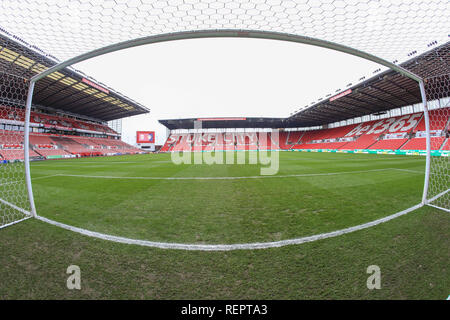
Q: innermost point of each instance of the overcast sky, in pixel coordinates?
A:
(222, 78)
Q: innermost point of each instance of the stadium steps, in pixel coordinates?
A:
(420, 144)
(299, 139)
(363, 142)
(51, 152)
(417, 124)
(371, 145)
(444, 144)
(388, 144)
(343, 146)
(70, 145)
(407, 140)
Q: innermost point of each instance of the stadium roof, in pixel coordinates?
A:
(384, 91)
(69, 90)
(210, 123)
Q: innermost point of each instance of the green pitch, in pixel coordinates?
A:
(148, 197)
(312, 193)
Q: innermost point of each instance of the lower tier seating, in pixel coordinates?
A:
(396, 133)
(48, 146)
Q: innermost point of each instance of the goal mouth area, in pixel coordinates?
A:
(343, 33)
(207, 229)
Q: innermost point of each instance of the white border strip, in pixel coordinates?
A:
(228, 247)
(15, 207)
(437, 207)
(14, 222)
(435, 198)
(438, 195)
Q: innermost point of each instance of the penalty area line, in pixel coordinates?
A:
(45, 177)
(408, 170)
(226, 178)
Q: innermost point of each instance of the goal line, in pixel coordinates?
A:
(228, 247)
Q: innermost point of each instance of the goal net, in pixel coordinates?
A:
(394, 31)
(437, 89)
(439, 179)
(14, 204)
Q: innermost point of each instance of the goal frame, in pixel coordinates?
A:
(224, 33)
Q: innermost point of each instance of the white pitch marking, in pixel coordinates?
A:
(356, 160)
(71, 164)
(229, 247)
(407, 170)
(213, 178)
(233, 178)
(224, 178)
(22, 181)
(44, 177)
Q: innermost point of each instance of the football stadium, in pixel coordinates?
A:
(346, 198)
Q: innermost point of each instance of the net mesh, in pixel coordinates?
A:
(13, 193)
(439, 181)
(387, 29)
(436, 77)
(393, 30)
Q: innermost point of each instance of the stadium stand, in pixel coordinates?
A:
(285, 140)
(294, 137)
(63, 136)
(389, 144)
(51, 121)
(395, 133)
(420, 144)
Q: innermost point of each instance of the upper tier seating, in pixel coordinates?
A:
(439, 120)
(385, 134)
(47, 120)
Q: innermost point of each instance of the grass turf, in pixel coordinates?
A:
(225, 211)
(412, 251)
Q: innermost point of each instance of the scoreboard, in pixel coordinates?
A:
(145, 137)
(146, 140)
